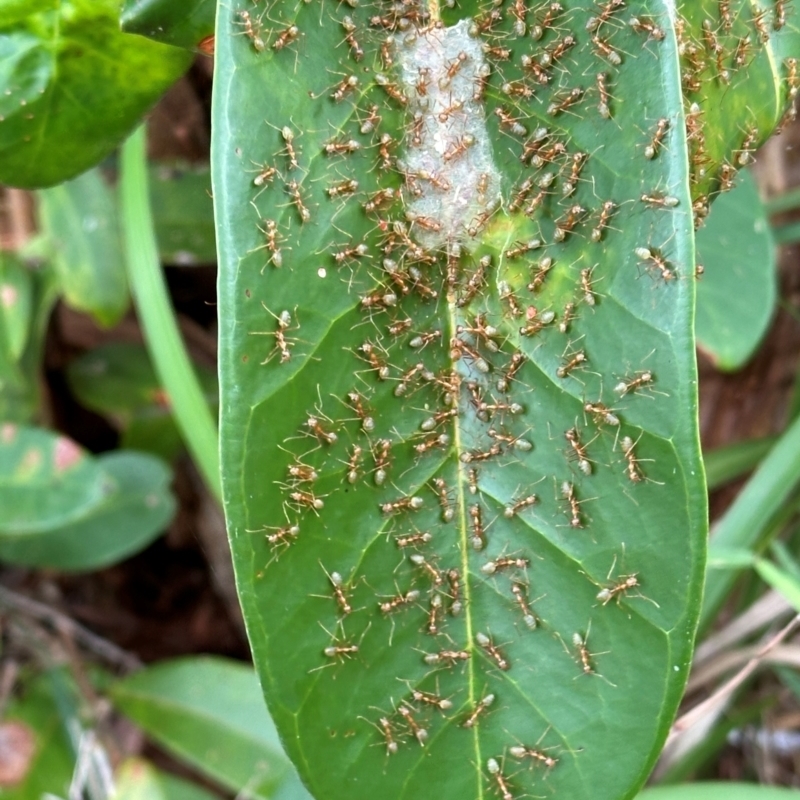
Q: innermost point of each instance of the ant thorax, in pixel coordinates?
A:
(451, 143)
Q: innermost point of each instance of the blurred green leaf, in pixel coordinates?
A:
(26, 296)
(46, 481)
(139, 780)
(118, 381)
(80, 219)
(52, 762)
(209, 712)
(728, 790)
(186, 23)
(737, 294)
(68, 95)
(780, 580)
(183, 213)
(130, 517)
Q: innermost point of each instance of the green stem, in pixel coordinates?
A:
(783, 202)
(725, 464)
(787, 234)
(157, 316)
(746, 520)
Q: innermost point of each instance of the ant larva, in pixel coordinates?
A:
(652, 149)
(420, 734)
(480, 707)
(569, 494)
(252, 30)
(520, 592)
(502, 563)
(283, 343)
(578, 451)
(565, 100)
(543, 268)
(571, 362)
(412, 503)
(566, 223)
(503, 786)
(607, 210)
(492, 650)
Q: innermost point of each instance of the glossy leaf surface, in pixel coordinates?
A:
(391, 402)
(67, 97)
(80, 221)
(737, 295)
(208, 712)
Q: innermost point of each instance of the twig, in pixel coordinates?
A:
(61, 622)
(694, 715)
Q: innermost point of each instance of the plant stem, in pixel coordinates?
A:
(783, 202)
(724, 464)
(787, 234)
(157, 316)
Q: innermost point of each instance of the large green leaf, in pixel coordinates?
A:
(189, 23)
(739, 81)
(208, 712)
(129, 517)
(80, 220)
(719, 790)
(736, 298)
(118, 380)
(26, 297)
(315, 536)
(67, 97)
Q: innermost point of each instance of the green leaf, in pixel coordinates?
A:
(26, 297)
(184, 216)
(738, 83)
(80, 220)
(209, 713)
(128, 519)
(118, 380)
(727, 790)
(139, 780)
(52, 761)
(737, 295)
(187, 24)
(66, 94)
(780, 580)
(724, 464)
(295, 339)
(46, 480)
